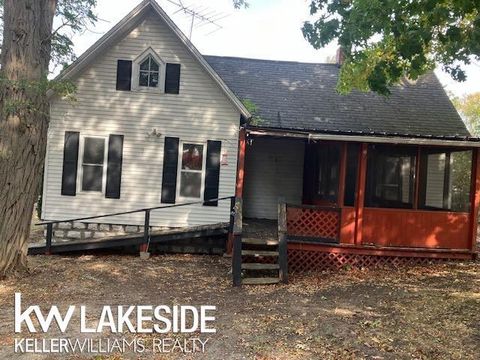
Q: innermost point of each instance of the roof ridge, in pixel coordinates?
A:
(269, 60)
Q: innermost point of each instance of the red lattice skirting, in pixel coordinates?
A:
(304, 260)
(308, 260)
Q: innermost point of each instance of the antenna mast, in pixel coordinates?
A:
(200, 16)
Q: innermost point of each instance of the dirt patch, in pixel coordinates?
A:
(422, 313)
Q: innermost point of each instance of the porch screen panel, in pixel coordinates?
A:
(445, 178)
(328, 171)
(390, 176)
(353, 150)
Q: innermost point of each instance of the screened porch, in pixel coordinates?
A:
(366, 195)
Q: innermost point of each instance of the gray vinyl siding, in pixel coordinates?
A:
(273, 169)
(199, 113)
(435, 180)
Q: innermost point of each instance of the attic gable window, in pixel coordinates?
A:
(149, 72)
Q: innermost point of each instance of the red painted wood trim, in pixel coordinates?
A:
(242, 146)
(474, 198)
(242, 141)
(360, 199)
(341, 175)
(384, 251)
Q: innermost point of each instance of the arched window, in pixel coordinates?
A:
(149, 72)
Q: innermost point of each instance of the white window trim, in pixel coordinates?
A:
(136, 72)
(179, 170)
(80, 165)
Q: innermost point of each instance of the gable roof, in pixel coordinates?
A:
(302, 96)
(125, 26)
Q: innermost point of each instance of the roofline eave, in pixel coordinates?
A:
(369, 138)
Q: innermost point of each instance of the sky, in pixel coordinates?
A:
(267, 29)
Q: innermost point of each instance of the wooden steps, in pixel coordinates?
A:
(257, 255)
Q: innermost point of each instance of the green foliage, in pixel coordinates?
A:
(74, 16)
(252, 108)
(71, 17)
(385, 40)
(469, 107)
(12, 106)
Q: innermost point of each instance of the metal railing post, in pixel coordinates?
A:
(237, 243)
(48, 245)
(146, 231)
(282, 241)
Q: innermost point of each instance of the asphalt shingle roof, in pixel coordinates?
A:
(302, 96)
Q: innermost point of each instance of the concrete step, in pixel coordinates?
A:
(260, 281)
(259, 266)
(259, 253)
(254, 241)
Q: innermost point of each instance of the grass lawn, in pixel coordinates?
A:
(420, 313)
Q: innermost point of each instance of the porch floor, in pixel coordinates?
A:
(260, 229)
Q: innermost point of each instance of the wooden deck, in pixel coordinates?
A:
(157, 237)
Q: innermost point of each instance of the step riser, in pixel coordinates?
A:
(260, 266)
(259, 253)
(260, 281)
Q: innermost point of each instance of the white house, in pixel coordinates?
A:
(368, 179)
(152, 124)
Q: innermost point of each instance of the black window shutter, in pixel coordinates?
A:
(212, 175)
(172, 79)
(124, 75)
(170, 163)
(70, 163)
(114, 166)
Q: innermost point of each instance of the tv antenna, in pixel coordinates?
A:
(200, 16)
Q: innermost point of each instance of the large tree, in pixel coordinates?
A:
(385, 40)
(30, 41)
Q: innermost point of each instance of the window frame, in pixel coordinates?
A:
(180, 170)
(423, 178)
(162, 65)
(400, 151)
(80, 165)
(149, 71)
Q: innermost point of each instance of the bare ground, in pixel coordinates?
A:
(421, 313)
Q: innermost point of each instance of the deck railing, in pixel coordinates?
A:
(313, 223)
(146, 211)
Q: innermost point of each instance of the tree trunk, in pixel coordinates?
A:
(23, 121)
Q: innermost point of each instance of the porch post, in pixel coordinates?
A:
(474, 198)
(282, 240)
(242, 142)
(237, 244)
(360, 199)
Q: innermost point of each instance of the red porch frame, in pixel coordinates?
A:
(403, 232)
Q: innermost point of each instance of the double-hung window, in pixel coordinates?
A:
(93, 164)
(191, 173)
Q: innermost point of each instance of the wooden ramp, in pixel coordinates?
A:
(156, 237)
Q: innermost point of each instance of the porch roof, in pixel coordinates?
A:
(302, 96)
